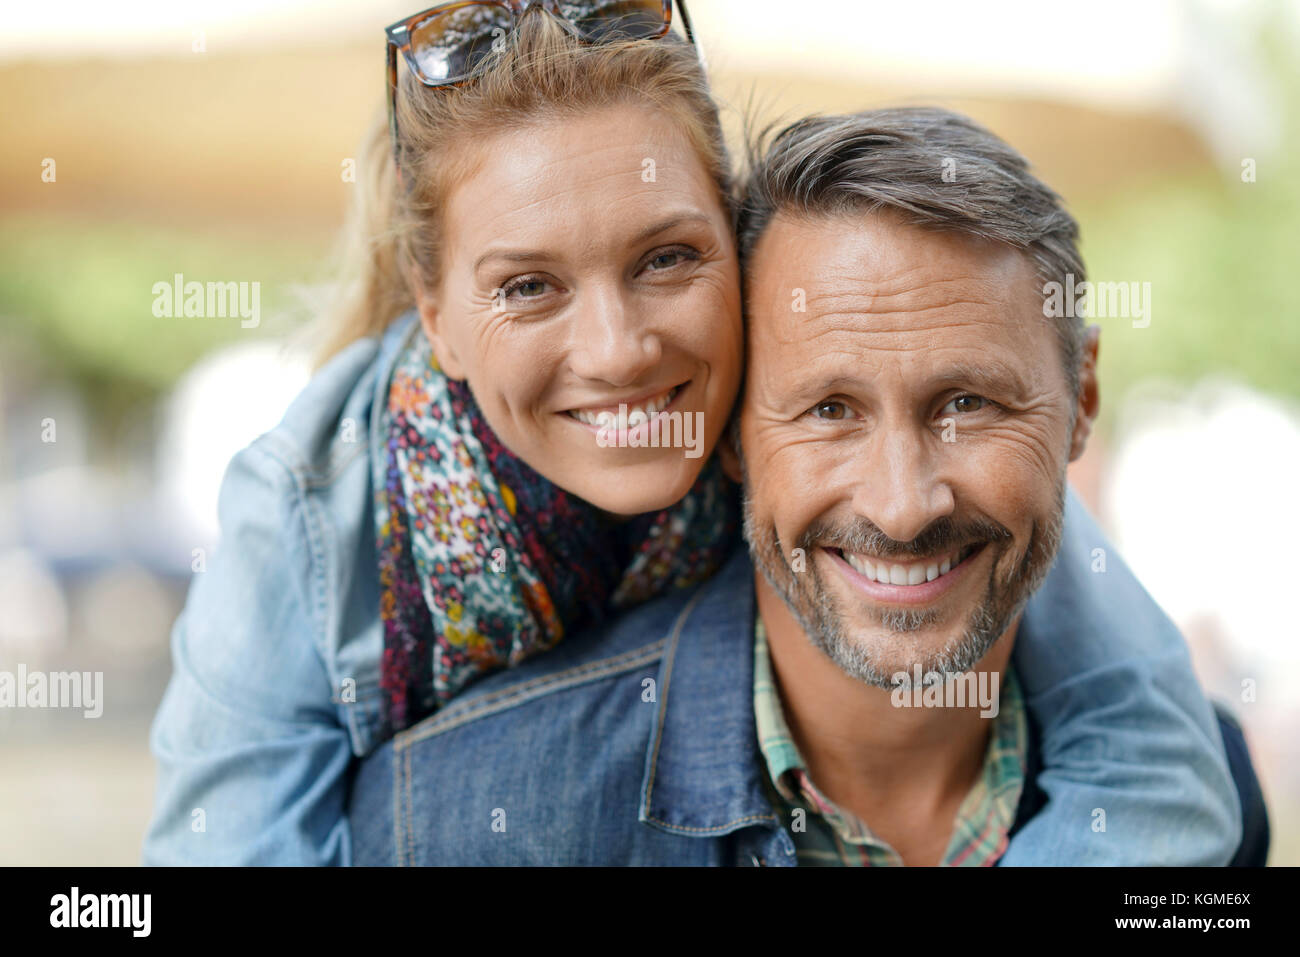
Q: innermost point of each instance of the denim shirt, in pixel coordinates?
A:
(275, 688)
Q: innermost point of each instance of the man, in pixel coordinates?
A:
(908, 416)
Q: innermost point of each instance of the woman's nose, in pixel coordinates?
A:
(610, 342)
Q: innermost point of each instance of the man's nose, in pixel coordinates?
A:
(901, 490)
(609, 341)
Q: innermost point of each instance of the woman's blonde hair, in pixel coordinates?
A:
(542, 73)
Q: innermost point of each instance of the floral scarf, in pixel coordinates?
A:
(484, 563)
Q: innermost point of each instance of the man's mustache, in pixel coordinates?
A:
(943, 534)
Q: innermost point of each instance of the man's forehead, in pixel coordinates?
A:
(838, 296)
(872, 264)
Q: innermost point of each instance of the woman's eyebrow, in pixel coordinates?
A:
(673, 221)
(513, 256)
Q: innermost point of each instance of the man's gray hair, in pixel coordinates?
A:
(935, 168)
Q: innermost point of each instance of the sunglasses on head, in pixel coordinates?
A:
(449, 44)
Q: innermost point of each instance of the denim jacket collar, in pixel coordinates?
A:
(391, 344)
(703, 770)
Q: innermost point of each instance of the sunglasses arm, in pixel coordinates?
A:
(686, 21)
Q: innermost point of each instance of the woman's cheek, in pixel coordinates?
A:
(707, 324)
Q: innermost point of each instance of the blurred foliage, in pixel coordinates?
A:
(1220, 255)
(1220, 263)
(80, 295)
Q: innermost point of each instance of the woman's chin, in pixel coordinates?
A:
(634, 489)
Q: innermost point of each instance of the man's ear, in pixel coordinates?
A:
(448, 361)
(1089, 393)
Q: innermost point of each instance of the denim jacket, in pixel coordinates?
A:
(275, 688)
(635, 744)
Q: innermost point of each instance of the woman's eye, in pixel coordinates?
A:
(668, 258)
(524, 288)
(965, 404)
(830, 410)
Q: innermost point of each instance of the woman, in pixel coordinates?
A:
(460, 486)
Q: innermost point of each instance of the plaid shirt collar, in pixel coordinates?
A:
(829, 835)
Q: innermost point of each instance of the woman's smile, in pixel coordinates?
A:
(627, 412)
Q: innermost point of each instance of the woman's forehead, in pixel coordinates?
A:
(605, 173)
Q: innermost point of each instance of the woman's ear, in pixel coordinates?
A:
(443, 351)
(1089, 395)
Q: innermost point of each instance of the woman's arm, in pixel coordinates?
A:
(1134, 767)
(252, 759)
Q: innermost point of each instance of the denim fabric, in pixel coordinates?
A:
(638, 746)
(275, 690)
(635, 745)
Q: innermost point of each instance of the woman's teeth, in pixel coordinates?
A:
(912, 573)
(636, 414)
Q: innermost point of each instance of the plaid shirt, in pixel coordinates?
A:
(833, 837)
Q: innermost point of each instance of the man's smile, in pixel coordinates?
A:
(918, 582)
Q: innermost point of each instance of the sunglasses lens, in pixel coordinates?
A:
(452, 44)
(604, 20)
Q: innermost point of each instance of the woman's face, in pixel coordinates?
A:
(589, 265)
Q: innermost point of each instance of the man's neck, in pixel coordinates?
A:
(904, 771)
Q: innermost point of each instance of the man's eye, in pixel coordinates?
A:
(965, 404)
(830, 410)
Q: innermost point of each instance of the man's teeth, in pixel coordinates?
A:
(913, 573)
(636, 414)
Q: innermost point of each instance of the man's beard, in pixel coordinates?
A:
(817, 610)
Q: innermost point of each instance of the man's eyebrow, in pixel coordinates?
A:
(992, 374)
(540, 255)
(806, 389)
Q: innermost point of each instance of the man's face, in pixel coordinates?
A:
(907, 422)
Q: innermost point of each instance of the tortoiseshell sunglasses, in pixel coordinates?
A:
(449, 44)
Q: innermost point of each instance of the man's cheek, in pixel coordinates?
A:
(1037, 446)
(1011, 472)
(814, 475)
